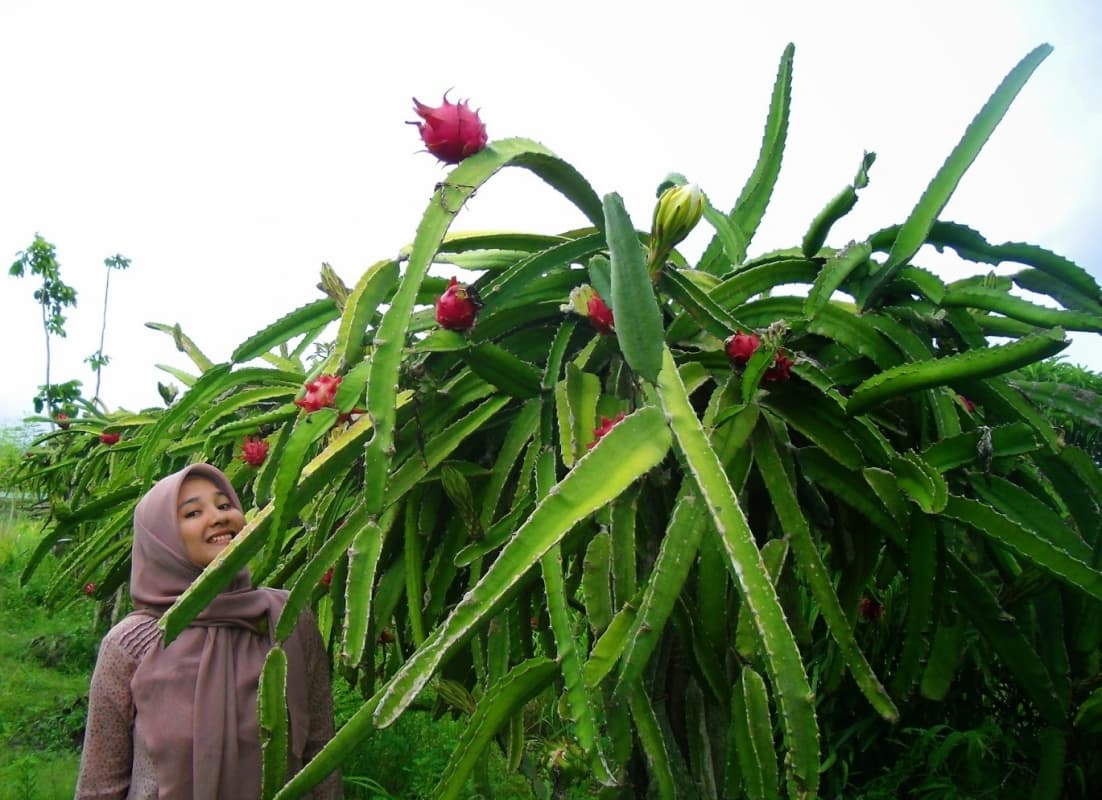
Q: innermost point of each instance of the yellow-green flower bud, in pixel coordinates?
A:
(676, 213)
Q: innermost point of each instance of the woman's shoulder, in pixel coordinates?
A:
(134, 635)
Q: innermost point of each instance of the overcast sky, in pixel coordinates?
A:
(229, 148)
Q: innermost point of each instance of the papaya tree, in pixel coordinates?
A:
(652, 527)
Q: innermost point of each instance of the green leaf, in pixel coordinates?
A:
(914, 231)
(1006, 304)
(500, 368)
(272, 717)
(707, 313)
(921, 482)
(841, 204)
(310, 317)
(751, 731)
(638, 320)
(649, 731)
(501, 702)
(184, 344)
(964, 366)
(970, 244)
(754, 198)
(1017, 654)
(1083, 405)
(785, 666)
(636, 444)
(595, 586)
(676, 556)
(794, 524)
(1027, 543)
(362, 304)
(834, 274)
(390, 338)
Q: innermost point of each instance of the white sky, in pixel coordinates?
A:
(230, 148)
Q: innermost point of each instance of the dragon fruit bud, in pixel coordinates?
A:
(457, 307)
(451, 131)
(253, 451)
(741, 346)
(676, 213)
(327, 578)
(320, 393)
(89, 589)
(62, 420)
(606, 425)
(779, 369)
(110, 438)
(969, 406)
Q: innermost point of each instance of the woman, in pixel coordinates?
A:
(181, 721)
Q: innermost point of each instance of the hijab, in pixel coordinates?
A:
(195, 699)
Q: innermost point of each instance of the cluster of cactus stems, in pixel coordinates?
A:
(672, 558)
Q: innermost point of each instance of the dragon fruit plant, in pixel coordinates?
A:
(651, 527)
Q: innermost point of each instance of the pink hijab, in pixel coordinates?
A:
(195, 699)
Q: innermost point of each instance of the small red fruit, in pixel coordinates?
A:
(320, 393)
(451, 131)
(870, 609)
(327, 578)
(110, 438)
(457, 308)
(600, 315)
(605, 426)
(741, 346)
(254, 450)
(89, 589)
(779, 370)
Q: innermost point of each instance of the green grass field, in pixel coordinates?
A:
(45, 661)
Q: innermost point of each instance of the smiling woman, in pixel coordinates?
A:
(147, 701)
(208, 519)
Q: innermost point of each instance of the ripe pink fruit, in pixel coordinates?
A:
(319, 393)
(605, 426)
(457, 307)
(451, 131)
(741, 346)
(110, 438)
(254, 450)
(600, 315)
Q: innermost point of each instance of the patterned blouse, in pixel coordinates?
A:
(115, 763)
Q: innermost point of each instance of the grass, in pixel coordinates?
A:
(45, 662)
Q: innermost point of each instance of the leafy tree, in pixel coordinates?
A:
(98, 360)
(53, 295)
(1070, 396)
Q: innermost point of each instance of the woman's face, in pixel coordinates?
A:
(208, 520)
